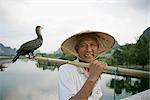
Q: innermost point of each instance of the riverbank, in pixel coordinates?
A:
(7, 59)
(137, 67)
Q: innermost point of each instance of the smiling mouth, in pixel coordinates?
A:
(88, 55)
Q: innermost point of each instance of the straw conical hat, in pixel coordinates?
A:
(105, 40)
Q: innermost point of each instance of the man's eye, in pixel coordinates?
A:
(93, 45)
(82, 45)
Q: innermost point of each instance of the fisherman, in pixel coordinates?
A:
(82, 83)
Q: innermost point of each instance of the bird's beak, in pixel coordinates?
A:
(41, 27)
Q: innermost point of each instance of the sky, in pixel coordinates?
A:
(125, 20)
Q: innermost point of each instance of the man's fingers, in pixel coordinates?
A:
(96, 61)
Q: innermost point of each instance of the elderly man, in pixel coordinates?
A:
(79, 83)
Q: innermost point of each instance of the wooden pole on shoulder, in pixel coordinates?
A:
(108, 69)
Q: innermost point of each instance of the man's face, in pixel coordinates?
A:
(87, 50)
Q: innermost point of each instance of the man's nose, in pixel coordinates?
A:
(89, 48)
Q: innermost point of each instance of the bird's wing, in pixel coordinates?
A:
(30, 45)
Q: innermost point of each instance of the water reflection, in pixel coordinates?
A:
(3, 65)
(47, 65)
(26, 80)
(130, 85)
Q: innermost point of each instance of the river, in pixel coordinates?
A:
(23, 80)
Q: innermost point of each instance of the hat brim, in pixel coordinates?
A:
(105, 40)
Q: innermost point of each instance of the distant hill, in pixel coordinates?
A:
(59, 51)
(145, 37)
(109, 53)
(7, 50)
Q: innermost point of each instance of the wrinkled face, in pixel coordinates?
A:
(87, 49)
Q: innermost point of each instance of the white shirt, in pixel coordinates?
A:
(71, 80)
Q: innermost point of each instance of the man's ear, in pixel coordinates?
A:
(76, 48)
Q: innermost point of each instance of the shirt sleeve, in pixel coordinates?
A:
(66, 84)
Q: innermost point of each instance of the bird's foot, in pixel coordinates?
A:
(29, 57)
(33, 56)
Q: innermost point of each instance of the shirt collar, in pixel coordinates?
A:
(81, 70)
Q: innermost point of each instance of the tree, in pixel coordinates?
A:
(143, 48)
(126, 54)
(118, 56)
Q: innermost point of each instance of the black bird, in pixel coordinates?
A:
(29, 47)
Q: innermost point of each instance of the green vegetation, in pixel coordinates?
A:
(129, 85)
(52, 66)
(47, 65)
(134, 54)
(6, 57)
(57, 55)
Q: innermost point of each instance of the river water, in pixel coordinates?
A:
(23, 80)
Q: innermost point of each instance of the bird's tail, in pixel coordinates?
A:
(15, 58)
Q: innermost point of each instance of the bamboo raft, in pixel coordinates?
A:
(108, 69)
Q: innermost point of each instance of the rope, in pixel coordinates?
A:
(115, 72)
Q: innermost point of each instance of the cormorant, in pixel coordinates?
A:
(29, 47)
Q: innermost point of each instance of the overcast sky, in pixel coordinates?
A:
(123, 19)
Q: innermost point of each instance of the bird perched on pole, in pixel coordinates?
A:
(30, 46)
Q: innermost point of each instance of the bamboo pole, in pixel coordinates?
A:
(108, 69)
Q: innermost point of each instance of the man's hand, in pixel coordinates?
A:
(96, 69)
